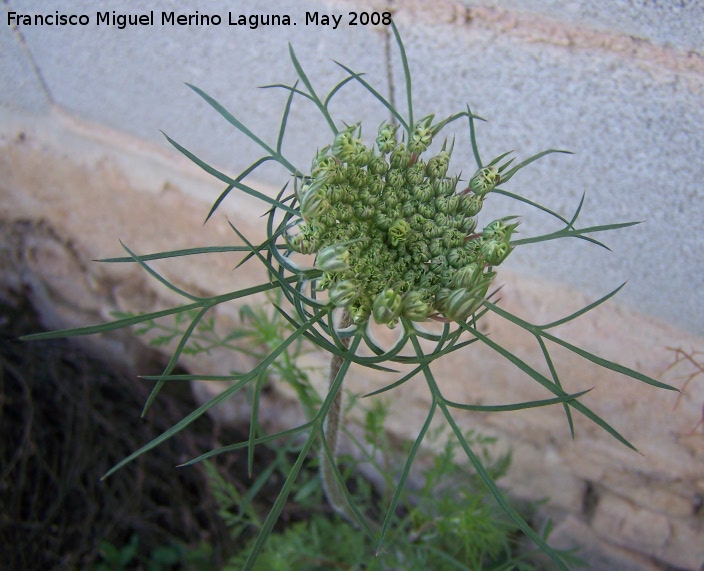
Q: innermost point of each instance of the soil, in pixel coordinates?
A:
(67, 417)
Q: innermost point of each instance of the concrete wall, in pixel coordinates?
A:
(83, 164)
(618, 83)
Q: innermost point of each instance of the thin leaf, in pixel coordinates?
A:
(289, 88)
(284, 120)
(498, 495)
(517, 406)
(240, 445)
(473, 137)
(541, 379)
(309, 85)
(335, 89)
(241, 127)
(605, 363)
(407, 77)
(176, 428)
(556, 379)
(254, 419)
(226, 179)
(244, 174)
(507, 176)
(110, 326)
(391, 511)
(574, 233)
(584, 310)
(175, 254)
(162, 280)
(175, 357)
(377, 95)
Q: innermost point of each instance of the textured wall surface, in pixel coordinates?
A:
(619, 83)
(83, 164)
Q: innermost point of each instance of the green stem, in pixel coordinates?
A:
(333, 493)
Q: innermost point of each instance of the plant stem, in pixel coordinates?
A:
(333, 493)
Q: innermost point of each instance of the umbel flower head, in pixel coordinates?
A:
(391, 233)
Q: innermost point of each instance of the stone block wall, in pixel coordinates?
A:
(82, 165)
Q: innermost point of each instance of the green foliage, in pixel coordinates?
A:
(449, 522)
(454, 293)
(162, 558)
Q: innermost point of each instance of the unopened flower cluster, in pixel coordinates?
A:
(391, 233)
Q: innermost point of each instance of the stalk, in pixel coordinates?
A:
(331, 430)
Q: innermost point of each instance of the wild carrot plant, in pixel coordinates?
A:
(398, 241)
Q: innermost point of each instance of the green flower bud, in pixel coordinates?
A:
(333, 258)
(375, 184)
(427, 209)
(500, 230)
(453, 203)
(364, 211)
(428, 281)
(462, 303)
(437, 166)
(400, 158)
(415, 174)
(421, 249)
(386, 140)
(355, 177)
(363, 156)
(324, 166)
(421, 136)
(441, 299)
(334, 193)
(417, 305)
(346, 153)
(431, 229)
(470, 204)
(313, 201)
(445, 186)
(409, 209)
(458, 257)
(467, 225)
(365, 197)
(328, 219)
(395, 179)
(484, 180)
(441, 220)
(343, 293)
(453, 238)
(467, 277)
(495, 252)
(348, 195)
(302, 243)
(436, 247)
(416, 222)
(377, 165)
(399, 232)
(390, 201)
(387, 307)
(345, 212)
(382, 221)
(423, 192)
(346, 146)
